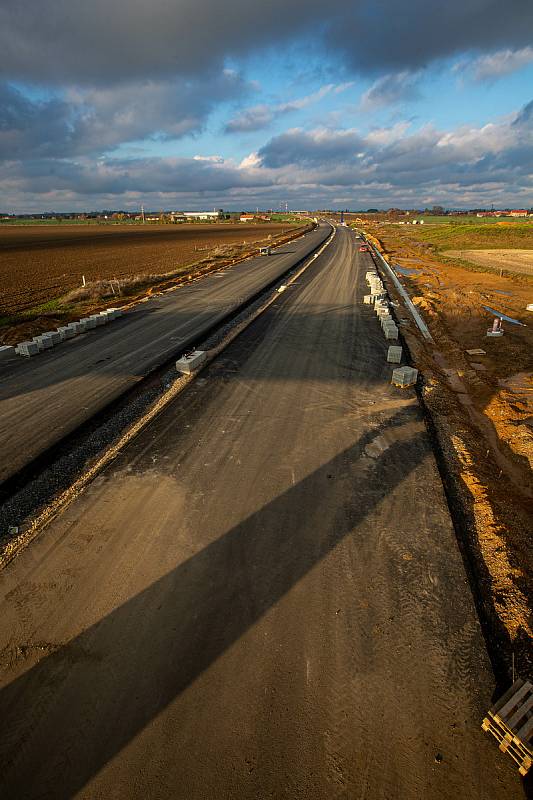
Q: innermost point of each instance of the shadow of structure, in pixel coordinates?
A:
(212, 605)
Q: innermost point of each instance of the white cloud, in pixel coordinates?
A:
(399, 87)
(261, 116)
(496, 65)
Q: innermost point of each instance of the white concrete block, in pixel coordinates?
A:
(116, 312)
(394, 354)
(6, 351)
(75, 327)
(404, 376)
(43, 342)
(391, 333)
(27, 349)
(89, 322)
(83, 325)
(66, 332)
(191, 362)
(99, 320)
(54, 336)
(495, 334)
(367, 299)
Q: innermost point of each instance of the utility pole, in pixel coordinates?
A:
(142, 213)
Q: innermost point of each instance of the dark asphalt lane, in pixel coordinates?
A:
(263, 596)
(45, 398)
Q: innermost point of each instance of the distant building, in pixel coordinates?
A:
(207, 216)
(246, 218)
(519, 212)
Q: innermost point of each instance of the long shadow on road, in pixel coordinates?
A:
(80, 697)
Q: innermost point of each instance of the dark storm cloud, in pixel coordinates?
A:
(390, 35)
(118, 176)
(101, 42)
(97, 120)
(307, 149)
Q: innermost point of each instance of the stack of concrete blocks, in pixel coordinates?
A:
(47, 340)
(6, 351)
(394, 354)
(27, 349)
(66, 332)
(404, 376)
(43, 342)
(191, 362)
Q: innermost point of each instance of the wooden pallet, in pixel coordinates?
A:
(510, 721)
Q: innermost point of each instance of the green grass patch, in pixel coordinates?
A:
(476, 236)
(52, 308)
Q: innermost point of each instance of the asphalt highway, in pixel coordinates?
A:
(44, 398)
(262, 597)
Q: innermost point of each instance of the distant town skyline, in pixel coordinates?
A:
(197, 105)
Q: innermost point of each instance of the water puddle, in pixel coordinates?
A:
(500, 291)
(406, 271)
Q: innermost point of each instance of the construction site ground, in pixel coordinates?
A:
(480, 406)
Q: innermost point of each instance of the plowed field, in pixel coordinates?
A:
(38, 264)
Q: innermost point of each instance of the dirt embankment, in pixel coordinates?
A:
(39, 266)
(481, 405)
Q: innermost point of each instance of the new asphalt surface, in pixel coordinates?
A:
(45, 398)
(262, 597)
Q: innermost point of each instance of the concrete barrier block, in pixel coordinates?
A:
(404, 376)
(66, 332)
(43, 342)
(386, 320)
(75, 327)
(367, 299)
(116, 312)
(391, 333)
(394, 354)
(191, 362)
(98, 319)
(54, 336)
(6, 351)
(89, 322)
(27, 349)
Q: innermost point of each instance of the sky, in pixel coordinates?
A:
(192, 104)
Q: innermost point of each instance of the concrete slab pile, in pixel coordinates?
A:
(27, 349)
(404, 376)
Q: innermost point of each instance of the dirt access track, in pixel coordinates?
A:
(481, 406)
(39, 263)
